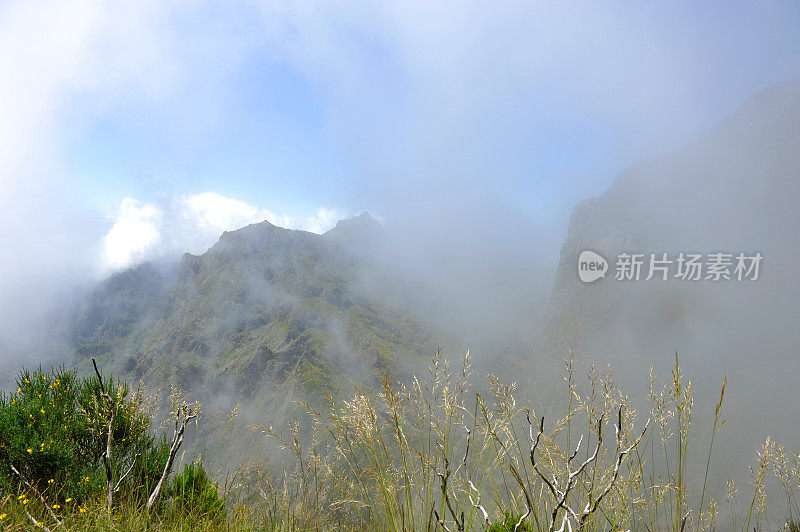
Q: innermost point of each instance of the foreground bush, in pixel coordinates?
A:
(53, 431)
(193, 492)
(68, 445)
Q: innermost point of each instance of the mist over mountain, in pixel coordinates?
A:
(269, 319)
(266, 317)
(399, 265)
(263, 305)
(734, 190)
(268, 307)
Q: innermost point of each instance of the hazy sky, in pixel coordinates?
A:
(133, 129)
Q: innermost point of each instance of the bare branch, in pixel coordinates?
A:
(522, 519)
(107, 458)
(107, 454)
(577, 448)
(439, 520)
(33, 489)
(477, 503)
(591, 507)
(99, 378)
(119, 481)
(564, 523)
(444, 479)
(561, 496)
(36, 523)
(534, 446)
(182, 414)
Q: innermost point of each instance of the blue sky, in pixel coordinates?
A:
(266, 145)
(173, 121)
(361, 106)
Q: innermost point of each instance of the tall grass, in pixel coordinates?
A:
(437, 454)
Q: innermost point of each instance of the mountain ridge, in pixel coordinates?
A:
(263, 302)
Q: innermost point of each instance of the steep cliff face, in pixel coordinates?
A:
(737, 189)
(734, 190)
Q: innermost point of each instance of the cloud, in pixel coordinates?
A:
(217, 213)
(545, 101)
(190, 223)
(52, 55)
(436, 112)
(323, 221)
(134, 233)
(221, 213)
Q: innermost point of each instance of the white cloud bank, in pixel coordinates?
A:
(134, 233)
(191, 223)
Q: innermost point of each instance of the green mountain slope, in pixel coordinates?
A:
(265, 307)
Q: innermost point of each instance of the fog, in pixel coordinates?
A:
(458, 124)
(143, 130)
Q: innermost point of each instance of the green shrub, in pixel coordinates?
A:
(509, 522)
(193, 492)
(53, 430)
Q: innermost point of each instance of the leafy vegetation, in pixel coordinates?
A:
(431, 454)
(194, 493)
(52, 429)
(66, 442)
